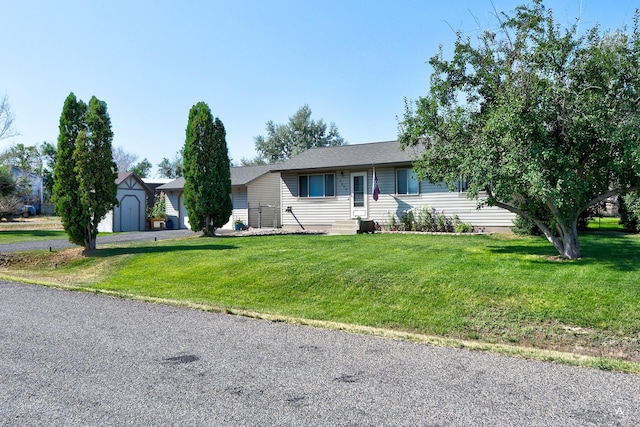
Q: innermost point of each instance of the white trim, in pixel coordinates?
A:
(361, 211)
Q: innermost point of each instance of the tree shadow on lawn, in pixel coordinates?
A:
(132, 250)
(615, 250)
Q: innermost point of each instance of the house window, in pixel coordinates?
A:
(462, 185)
(316, 185)
(407, 182)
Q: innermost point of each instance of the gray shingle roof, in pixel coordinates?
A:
(240, 176)
(243, 175)
(176, 184)
(356, 155)
(124, 175)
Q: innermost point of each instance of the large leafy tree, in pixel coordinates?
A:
(207, 173)
(141, 168)
(536, 118)
(299, 134)
(85, 173)
(27, 158)
(171, 168)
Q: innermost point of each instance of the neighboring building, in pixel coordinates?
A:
(254, 191)
(322, 186)
(29, 186)
(131, 212)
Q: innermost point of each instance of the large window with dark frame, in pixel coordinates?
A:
(407, 182)
(316, 185)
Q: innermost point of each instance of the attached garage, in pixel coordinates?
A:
(255, 193)
(131, 212)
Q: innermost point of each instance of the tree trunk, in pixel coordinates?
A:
(209, 229)
(90, 241)
(567, 244)
(570, 243)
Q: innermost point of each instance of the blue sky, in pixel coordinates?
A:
(351, 61)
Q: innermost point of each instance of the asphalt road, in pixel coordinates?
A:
(83, 359)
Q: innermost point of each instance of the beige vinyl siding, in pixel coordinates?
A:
(312, 211)
(264, 191)
(438, 198)
(325, 211)
(174, 209)
(239, 200)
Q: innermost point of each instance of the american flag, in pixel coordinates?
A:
(376, 189)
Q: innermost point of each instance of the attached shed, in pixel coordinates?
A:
(131, 212)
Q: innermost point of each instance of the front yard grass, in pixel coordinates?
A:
(8, 236)
(490, 290)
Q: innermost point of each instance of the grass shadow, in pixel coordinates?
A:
(160, 249)
(617, 250)
(613, 249)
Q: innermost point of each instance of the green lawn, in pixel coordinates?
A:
(18, 236)
(493, 289)
(605, 224)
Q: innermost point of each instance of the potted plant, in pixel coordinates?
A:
(238, 224)
(158, 213)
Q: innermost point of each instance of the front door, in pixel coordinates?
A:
(359, 195)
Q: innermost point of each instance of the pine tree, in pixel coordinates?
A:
(65, 196)
(207, 174)
(85, 174)
(95, 170)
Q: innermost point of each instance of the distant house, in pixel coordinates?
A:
(29, 186)
(130, 214)
(255, 193)
(322, 186)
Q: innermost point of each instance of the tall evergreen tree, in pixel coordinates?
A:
(206, 171)
(65, 184)
(96, 171)
(85, 173)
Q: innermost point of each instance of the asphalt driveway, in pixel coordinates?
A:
(71, 358)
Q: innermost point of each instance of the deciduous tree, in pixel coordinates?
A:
(141, 168)
(6, 119)
(171, 168)
(123, 159)
(207, 173)
(535, 118)
(25, 157)
(28, 160)
(286, 140)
